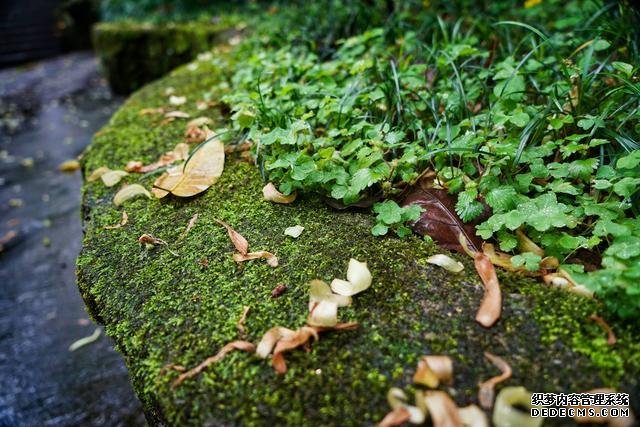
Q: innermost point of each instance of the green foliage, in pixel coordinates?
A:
(532, 117)
(392, 216)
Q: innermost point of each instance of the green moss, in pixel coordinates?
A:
(162, 309)
(134, 54)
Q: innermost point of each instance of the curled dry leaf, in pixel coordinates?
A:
(323, 313)
(611, 337)
(176, 115)
(195, 135)
(180, 152)
(86, 340)
(491, 305)
(473, 416)
(122, 223)
(294, 231)
(239, 242)
(97, 174)
(398, 399)
(190, 225)
(146, 111)
(200, 172)
(507, 412)
(271, 194)
(235, 345)
(396, 417)
(563, 280)
(111, 178)
(270, 338)
(243, 318)
(148, 239)
(272, 260)
(280, 289)
(129, 192)
(284, 344)
(609, 420)
(358, 279)
(525, 244)
(442, 409)
(432, 370)
(487, 388)
(446, 262)
(69, 166)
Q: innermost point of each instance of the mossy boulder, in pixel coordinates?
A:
(162, 308)
(135, 53)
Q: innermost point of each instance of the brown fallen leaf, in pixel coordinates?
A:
(149, 241)
(486, 394)
(271, 194)
(239, 242)
(180, 152)
(69, 166)
(190, 225)
(195, 135)
(280, 289)
(433, 369)
(240, 324)
(199, 172)
(396, 417)
(442, 409)
(172, 367)
(122, 223)
(611, 337)
(439, 219)
(235, 345)
(270, 338)
(199, 122)
(272, 260)
(491, 304)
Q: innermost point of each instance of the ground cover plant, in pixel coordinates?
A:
(527, 117)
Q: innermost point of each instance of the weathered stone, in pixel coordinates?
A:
(162, 309)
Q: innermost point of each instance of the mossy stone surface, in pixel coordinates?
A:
(162, 309)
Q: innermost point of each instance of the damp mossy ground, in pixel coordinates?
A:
(160, 308)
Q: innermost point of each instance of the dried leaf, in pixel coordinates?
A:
(6, 238)
(177, 100)
(525, 244)
(446, 262)
(194, 135)
(442, 409)
(320, 291)
(358, 279)
(69, 166)
(123, 222)
(270, 338)
(180, 152)
(111, 178)
(491, 305)
(176, 115)
(486, 393)
(190, 225)
(271, 194)
(86, 340)
(278, 290)
(294, 231)
(611, 337)
(235, 345)
(240, 324)
(507, 412)
(146, 111)
(272, 260)
(398, 399)
(199, 121)
(129, 192)
(395, 418)
(473, 416)
(432, 370)
(323, 313)
(200, 172)
(236, 238)
(287, 343)
(96, 174)
(148, 239)
(439, 219)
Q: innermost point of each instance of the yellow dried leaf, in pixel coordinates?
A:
(201, 171)
(180, 152)
(129, 192)
(146, 111)
(111, 178)
(272, 260)
(123, 222)
(69, 166)
(433, 369)
(271, 194)
(176, 115)
(323, 313)
(97, 174)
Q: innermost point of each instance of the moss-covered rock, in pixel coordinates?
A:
(162, 309)
(135, 53)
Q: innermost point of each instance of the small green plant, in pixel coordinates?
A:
(390, 216)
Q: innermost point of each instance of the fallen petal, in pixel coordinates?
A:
(442, 410)
(271, 194)
(395, 418)
(398, 399)
(473, 416)
(294, 231)
(270, 338)
(324, 313)
(446, 262)
(486, 393)
(507, 412)
(111, 178)
(320, 291)
(86, 340)
(358, 279)
(432, 370)
(96, 174)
